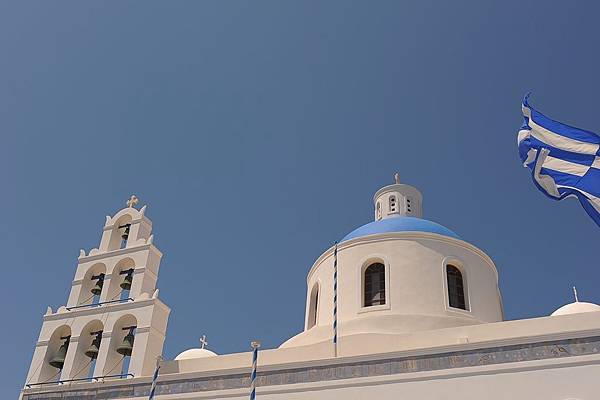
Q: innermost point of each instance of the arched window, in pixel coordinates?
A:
(378, 210)
(313, 310)
(374, 285)
(393, 204)
(456, 288)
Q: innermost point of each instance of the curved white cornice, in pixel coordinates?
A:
(106, 308)
(137, 216)
(119, 252)
(396, 187)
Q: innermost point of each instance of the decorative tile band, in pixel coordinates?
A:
(388, 366)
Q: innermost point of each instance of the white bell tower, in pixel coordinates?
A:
(113, 325)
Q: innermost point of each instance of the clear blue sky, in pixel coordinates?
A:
(258, 132)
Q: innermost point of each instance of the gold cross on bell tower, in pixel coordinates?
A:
(133, 200)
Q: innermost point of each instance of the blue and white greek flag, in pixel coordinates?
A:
(564, 161)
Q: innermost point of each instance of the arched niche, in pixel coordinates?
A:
(115, 241)
(85, 294)
(115, 292)
(115, 362)
(313, 306)
(83, 366)
(47, 371)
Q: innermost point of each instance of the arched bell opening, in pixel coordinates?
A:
(92, 285)
(122, 340)
(56, 354)
(120, 233)
(88, 347)
(121, 280)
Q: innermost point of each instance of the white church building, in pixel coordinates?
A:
(419, 316)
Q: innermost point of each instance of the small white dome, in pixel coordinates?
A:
(195, 353)
(576, 307)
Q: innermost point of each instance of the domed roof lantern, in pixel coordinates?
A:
(398, 208)
(398, 200)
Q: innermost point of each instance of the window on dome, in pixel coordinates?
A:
(456, 288)
(378, 210)
(408, 205)
(393, 204)
(313, 307)
(374, 285)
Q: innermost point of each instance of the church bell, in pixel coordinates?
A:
(125, 232)
(92, 351)
(59, 358)
(97, 289)
(127, 279)
(126, 346)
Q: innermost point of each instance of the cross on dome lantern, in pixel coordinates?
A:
(133, 200)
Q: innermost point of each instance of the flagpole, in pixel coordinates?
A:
(335, 251)
(155, 378)
(255, 345)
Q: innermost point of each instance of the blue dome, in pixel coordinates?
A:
(400, 224)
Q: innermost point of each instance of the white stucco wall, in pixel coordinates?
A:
(416, 292)
(560, 382)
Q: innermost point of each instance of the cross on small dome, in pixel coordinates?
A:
(203, 342)
(201, 352)
(576, 307)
